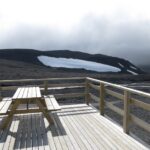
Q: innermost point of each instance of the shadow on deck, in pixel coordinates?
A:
(76, 127)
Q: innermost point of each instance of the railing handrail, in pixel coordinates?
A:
(127, 101)
(99, 85)
(120, 87)
(42, 79)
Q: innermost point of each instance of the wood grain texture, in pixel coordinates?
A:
(126, 116)
(76, 127)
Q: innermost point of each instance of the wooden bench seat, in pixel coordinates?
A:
(4, 105)
(51, 103)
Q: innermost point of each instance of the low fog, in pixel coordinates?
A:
(119, 34)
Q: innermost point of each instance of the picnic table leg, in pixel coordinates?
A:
(46, 114)
(7, 120)
(28, 102)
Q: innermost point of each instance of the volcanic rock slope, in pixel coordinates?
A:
(31, 56)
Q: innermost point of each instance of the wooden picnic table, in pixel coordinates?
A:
(25, 95)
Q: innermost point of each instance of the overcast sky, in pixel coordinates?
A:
(113, 27)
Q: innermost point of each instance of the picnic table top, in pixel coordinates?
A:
(27, 93)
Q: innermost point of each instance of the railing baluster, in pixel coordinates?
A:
(0, 93)
(101, 101)
(45, 86)
(87, 91)
(126, 117)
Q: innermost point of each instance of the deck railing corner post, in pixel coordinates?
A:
(87, 90)
(1, 93)
(101, 100)
(45, 86)
(126, 116)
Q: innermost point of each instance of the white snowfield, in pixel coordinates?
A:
(76, 63)
(134, 73)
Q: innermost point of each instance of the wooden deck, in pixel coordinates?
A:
(76, 127)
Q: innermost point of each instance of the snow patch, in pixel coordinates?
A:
(76, 63)
(121, 65)
(133, 67)
(134, 73)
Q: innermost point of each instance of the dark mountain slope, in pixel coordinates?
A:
(30, 56)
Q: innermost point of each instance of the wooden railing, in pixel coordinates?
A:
(126, 98)
(46, 85)
(89, 83)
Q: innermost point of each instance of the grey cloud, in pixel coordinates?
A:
(127, 39)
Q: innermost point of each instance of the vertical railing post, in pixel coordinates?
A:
(45, 86)
(101, 100)
(87, 90)
(126, 117)
(0, 93)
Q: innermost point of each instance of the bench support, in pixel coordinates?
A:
(7, 120)
(45, 112)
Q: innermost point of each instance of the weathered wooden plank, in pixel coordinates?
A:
(111, 128)
(56, 138)
(114, 108)
(117, 132)
(48, 103)
(96, 87)
(19, 132)
(43, 133)
(3, 137)
(115, 94)
(29, 133)
(120, 87)
(48, 133)
(68, 132)
(66, 85)
(54, 102)
(45, 87)
(6, 88)
(101, 99)
(8, 139)
(25, 94)
(140, 123)
(75, 132)
(63, 132)
(41, 107)
(94, 97)
(2, 104)
(101, 139)
(86, 137)
(109, 137)
(69, 95)
(45, 79)
(5, 107)
(126, 116)
(16, 93)
(72, 121)
(23, 141)
(140, 104)
(34, 134)
(38, 92)
(21, 93)
(87, 91)
(30, 92)
(39, 132)
(33, 89)
(10, 115)
(14, 132)
(61, 137)
(79, 121)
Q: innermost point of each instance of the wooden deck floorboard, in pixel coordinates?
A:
(76, 127)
